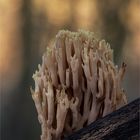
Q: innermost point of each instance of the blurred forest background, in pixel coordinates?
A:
(28, 26)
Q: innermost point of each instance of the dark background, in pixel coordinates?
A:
(27, 27)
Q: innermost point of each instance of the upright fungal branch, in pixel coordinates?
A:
(76, 84)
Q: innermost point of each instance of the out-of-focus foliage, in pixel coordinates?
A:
(28, 26)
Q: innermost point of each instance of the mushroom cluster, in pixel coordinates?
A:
(76, 84)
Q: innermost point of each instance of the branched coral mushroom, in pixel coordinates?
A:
(76, 84)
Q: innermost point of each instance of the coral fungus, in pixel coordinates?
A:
(76, 84)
